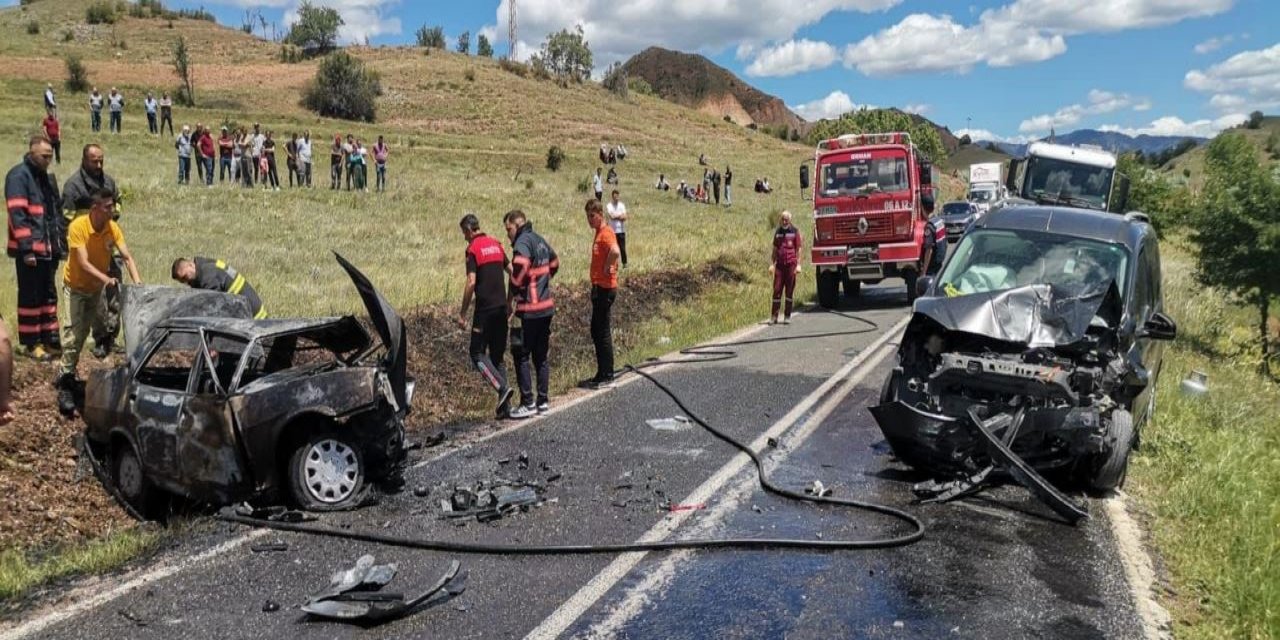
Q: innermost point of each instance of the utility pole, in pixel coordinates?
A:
(511, 30)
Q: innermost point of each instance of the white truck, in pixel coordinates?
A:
(1073, 176)
(985, 185)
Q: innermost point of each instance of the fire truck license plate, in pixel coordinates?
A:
(861, 254)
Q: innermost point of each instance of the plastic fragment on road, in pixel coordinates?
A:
(818, 490)
(353, 595)
(677, 423)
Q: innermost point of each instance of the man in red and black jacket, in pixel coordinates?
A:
(784, 264)
(36, 243)
(486, 281)
(533, 264)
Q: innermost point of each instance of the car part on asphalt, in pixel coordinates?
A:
(353, 595)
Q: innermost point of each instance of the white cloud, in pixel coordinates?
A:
(361, 18)
(984, 135)
(616, 30)
(1175, 126)
(792, 57)
(1021, 32)
(1212, 44)
(1250, 79)
(1099, 102)
(836, 104)
(918, 109)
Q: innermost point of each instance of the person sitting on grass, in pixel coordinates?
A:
(662, 185)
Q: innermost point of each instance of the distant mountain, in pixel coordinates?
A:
(1112, 141)
(696, 82)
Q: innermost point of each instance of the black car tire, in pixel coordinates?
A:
(132, 483)
(852, 288)
(828, 289)
(327, 472)
(1114, 464)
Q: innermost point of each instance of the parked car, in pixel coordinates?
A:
(957, 216)
(217, 407)
(1046, 326)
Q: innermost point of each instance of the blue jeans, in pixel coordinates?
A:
(208, 170)
(96, 117)
(224, 168)
(184, 170)
(115, 122)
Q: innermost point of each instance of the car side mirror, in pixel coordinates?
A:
(923, 284)
(1159, 327)
(804, 176)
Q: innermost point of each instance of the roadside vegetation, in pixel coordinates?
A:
(1208, 471)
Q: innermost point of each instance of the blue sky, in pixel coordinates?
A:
(1007, 69)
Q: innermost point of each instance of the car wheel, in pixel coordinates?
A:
(132, 483)
(1114, 463)
(828, 289)
(327, 472)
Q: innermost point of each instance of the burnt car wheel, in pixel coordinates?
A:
(1115, 463)
(326, 473)
(132, 482)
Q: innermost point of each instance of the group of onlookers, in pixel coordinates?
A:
(250, 157)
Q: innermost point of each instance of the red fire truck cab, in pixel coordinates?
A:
(872, 196)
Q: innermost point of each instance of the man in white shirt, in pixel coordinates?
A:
(150, 105)
(50, 104)
(95, 109)
(304, 160)
(617, 213)
(258, 140)
(115, 105)
(598, 184)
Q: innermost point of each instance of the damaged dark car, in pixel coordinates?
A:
(216, 407)
(1035, 350)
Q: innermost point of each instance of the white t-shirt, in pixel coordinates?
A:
(615, 210)
(596, 182)
(304, 151)
(258, 140)
(116, 102)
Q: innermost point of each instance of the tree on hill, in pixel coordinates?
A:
(924, 136)
(464, 42)
(1236, 229)
(430, 37)
(343, 88)
(182, 67)
(1254, 121)
(615, 80)
(567, 56)
(316, 31)
(483, 48)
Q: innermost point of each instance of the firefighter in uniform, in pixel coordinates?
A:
(36, 243)
(935, 245)
(216, 275)
(487, 269)
(784, 264)
(533, 264)
(77, 199)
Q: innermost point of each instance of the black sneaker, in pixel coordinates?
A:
(602, 383)
(504, 403)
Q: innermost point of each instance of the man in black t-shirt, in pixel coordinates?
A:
(487, 269)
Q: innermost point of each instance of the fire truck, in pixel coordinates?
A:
(872, 196)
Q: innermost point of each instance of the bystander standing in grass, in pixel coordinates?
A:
(115, 105)
(728, 186)
(36, 244)
(196, 136)
(53, 131)
(486, 282)
(258, 139)
(304, 160)
(269, 158)
(356, 166)
(598, 185)
(604, 290)
(149, 103)
(291, 160)
(91, 240)
(618, 222)
(50, 102)
(349, 149)
(225, 144)
(247, 164)
(335, 162)
(183, 145)
(95, 110)
(533, 264)
(207, 151)
(166, 113)
(380, 153)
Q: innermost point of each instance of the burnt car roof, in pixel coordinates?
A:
(1080, 223)
(252, 329)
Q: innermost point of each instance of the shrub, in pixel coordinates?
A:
(483, 48)
(640, 86)
(728, 118)
(555, 157)
(343, 88)
(520, 69)
(33, 28)
(1254, 121)
(68, 35)
(528, 184)
(430, 37)
(470, 75)
(584, 185)
(77, 75)
(615, 80)
(464, 43)
(290, 54)
(101, 12)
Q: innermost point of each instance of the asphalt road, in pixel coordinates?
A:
(994, 566)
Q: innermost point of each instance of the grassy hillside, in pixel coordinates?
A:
(1188, 168)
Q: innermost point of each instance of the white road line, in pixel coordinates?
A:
(577, 605)
(64, 612)
(1138, 570)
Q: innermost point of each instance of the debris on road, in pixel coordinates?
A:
(273, 513)
(676, 423)
(267, 547)
(686, 507)
(354, 595)
(817, 489)
(270, 606)
(488, 502)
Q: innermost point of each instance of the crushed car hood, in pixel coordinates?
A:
(390, 328)
(144, 306)
(1039, 315)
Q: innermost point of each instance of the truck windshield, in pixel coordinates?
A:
(1052, 181)
(865, 174)
(982, 196)
(995, 259)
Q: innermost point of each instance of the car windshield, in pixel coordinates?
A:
(1052, 181)
(997, 259)
(955, 208)
(865, 174)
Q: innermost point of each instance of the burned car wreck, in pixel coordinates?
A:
(216, 407)
(1036, 349)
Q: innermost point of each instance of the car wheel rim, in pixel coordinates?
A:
(130, 479)
(330, 471)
